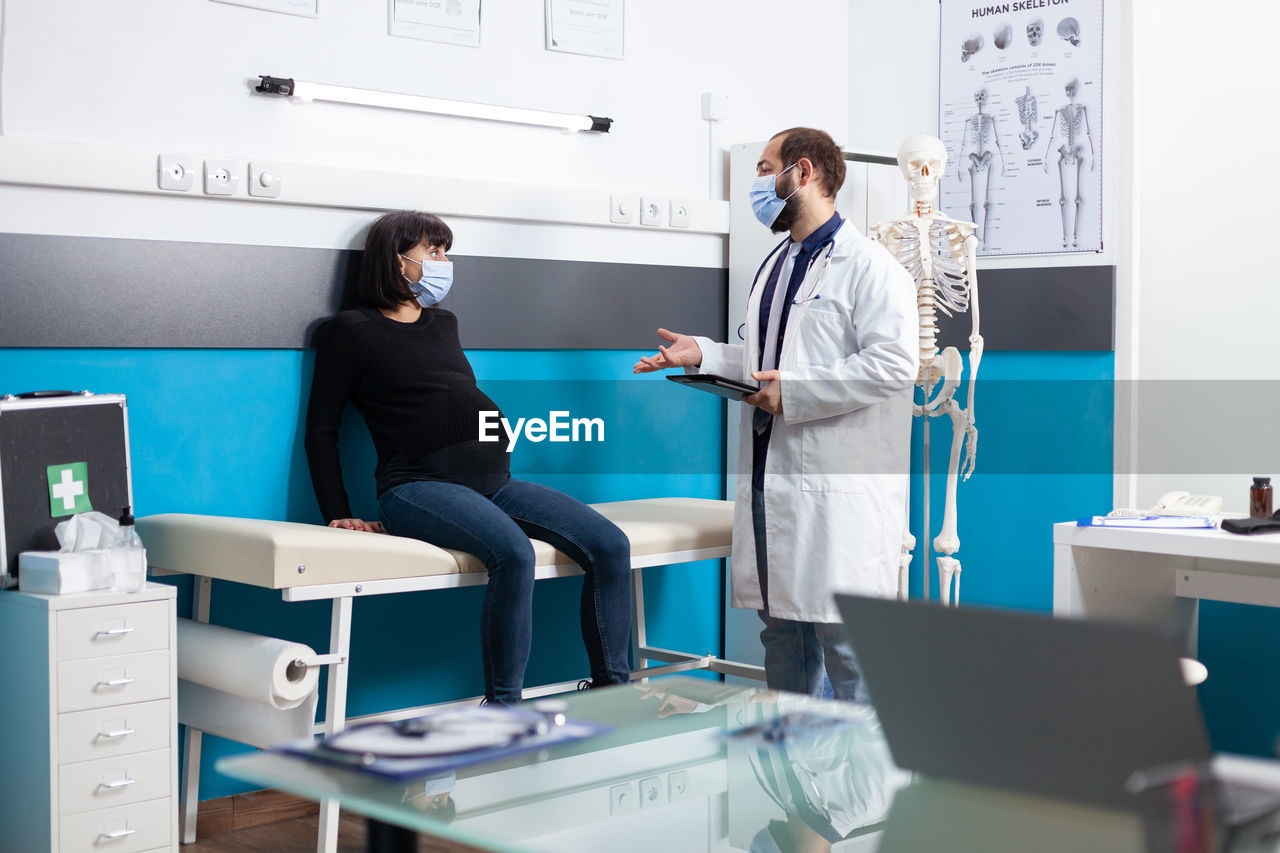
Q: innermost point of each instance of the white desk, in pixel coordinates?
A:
(1157, 577)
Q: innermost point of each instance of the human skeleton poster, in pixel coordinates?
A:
(1020, 111)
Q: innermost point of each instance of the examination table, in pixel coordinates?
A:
(309, 562)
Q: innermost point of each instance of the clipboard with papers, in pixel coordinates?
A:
(446, 740)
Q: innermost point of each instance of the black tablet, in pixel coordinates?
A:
(728, 388)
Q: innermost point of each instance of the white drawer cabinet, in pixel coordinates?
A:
(88, 693)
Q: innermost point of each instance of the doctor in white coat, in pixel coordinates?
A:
(832, 331)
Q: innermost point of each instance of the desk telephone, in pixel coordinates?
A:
(1176, 503)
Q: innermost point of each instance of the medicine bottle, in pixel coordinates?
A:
(1260, 498)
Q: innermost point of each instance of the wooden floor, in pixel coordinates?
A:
(298, 835)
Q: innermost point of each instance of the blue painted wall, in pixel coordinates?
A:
(219, 432)
(1045, 436)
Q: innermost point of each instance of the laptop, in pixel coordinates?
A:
(1061, 708)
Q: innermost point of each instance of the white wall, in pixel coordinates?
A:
(1207, 301)
(893, 72)
(164, 76)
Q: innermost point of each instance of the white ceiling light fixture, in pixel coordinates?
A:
(304, 90)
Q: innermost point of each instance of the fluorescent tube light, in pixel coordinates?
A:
(308, 91)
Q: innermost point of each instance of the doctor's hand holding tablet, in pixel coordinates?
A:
(685, 352)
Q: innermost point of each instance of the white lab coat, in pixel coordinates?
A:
(837, 471)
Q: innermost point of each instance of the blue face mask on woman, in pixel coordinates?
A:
(437, 278)
(764, 197)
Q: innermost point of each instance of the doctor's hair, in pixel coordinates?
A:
(381, 284)
(821, 150)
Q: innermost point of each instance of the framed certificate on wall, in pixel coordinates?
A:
(586, 27)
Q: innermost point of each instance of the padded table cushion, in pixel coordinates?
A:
(269, 553)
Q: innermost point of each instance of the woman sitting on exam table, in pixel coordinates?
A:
(398, 359)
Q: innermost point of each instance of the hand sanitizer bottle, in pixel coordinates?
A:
(128, 558)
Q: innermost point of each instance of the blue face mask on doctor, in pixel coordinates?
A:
(765, 203)
(437, 278)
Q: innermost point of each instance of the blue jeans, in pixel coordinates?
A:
(797, 653)
(497, 529)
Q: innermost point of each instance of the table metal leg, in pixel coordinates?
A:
(388, 838)
(335, 714)
(189, 790)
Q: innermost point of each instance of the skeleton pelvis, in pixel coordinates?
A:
(947, 367)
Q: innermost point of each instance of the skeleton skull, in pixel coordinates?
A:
(972, 44)
(1035, 31)
(1069, 29)
(1003, 36)
(1072, 88)
(980, 98)
(922, 159)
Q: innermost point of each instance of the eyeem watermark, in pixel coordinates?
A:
(559, 426)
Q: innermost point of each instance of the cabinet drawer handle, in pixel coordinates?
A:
(121, 783)
(120, 833)
(117, 682)
(113, 632)
(116, 733)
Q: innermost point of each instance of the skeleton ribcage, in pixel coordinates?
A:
(1028, 112)
(980, 127)
(946, 260)
(1071, 122)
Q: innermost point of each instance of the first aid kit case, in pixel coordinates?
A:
(61, 453)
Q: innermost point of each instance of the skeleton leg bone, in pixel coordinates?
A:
(904, 559)
(973, 200)
(948, 568)
(986, 203)
(1075, 237)
(1062, 198)
(947, 542)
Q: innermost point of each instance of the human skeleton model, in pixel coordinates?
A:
(941, 255)
(1028, 114)
(1071, 123)
(980, 129)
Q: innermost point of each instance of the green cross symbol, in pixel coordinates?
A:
(68, 489)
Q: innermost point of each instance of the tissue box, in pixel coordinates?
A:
(58, 572)
(59, 455)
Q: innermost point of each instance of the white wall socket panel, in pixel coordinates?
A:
(622, 799)
(622, 208)
(220, 177)
(679, 214)
(264, 179)
(652, 792)
(652, 211)
(175, 172)
(678, 785)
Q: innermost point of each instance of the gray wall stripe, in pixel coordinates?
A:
(104, 292)
(1045, 309)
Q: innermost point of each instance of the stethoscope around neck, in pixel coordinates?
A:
(812, 294)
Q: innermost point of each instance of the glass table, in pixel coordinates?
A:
(666, 778)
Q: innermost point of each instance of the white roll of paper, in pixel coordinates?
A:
(242, 720)
(251, 666)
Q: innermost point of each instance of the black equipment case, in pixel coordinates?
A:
(60, 453)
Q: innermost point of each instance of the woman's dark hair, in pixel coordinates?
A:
(381, 285)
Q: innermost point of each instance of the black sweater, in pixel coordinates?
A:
(417, 393)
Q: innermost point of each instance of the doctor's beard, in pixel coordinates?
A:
(789, 213)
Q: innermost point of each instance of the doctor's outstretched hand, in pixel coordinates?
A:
(683, 352)
(769, 397)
